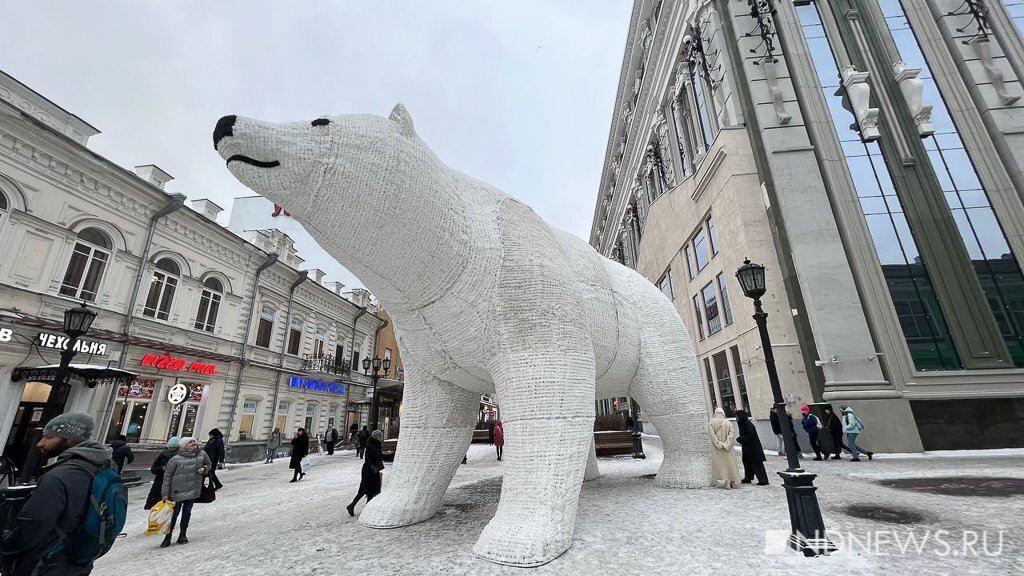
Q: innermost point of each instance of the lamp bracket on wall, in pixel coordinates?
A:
(978, 12)
(763, 13)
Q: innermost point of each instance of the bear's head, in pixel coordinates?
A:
(302, 166)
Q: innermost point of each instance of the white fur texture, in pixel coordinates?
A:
(485, 297)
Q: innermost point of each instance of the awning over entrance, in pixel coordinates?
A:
(92, 374)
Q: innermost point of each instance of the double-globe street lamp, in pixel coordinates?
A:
(77, 322)
(377, 364)
(807, 533)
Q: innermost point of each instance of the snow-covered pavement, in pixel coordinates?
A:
(263, 525)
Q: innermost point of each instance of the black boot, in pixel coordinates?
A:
(351, 509)
(167, 540)
(182, 539)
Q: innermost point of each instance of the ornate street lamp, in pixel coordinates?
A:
(77, 322)
(376, 363)
(807, 527)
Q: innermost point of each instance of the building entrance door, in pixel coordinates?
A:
(26, 421)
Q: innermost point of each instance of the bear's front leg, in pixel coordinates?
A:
(437, 427)
(547, 406)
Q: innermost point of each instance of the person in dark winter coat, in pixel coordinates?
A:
(363, 436)
(215, 450)
(60, 500)
(300, 449)
(373, 467)
(835, 430)
(780, 446)
(273, 443)
(122, 452)
(811, 425)
(157, 469)
(753, 452)
(330, 439)
(183, 484)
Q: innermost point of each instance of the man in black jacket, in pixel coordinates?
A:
(60, 500)
(215, 450)
(122, 452)
(330, 439)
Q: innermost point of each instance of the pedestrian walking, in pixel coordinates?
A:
(60, 502)
(330, 439)
(753, 452)
(273, 443)
(215, 450)
(363, 437)
(811, 425)
(372, 472)
(499, 437)
(183, 483)
(300, 449)
(723, 460)
(352, 431)
(122, 452)
(834, 426)
(157, 470)
(773, 417)
(853, 426)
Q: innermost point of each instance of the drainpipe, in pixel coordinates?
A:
(175, 203)
(375, 403)
(269, 261)
(348, 388)
(287, 326)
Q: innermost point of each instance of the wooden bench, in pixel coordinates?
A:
(613, 443)
(388, 450)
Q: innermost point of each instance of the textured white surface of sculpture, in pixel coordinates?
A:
(485, 297)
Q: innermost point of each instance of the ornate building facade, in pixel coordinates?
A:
(869, 153)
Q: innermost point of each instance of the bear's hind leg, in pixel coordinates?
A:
(437, 427)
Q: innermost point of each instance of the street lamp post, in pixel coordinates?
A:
(807, 527)
(77, 322)
(376, 363)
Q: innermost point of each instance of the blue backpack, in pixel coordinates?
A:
(104, 519)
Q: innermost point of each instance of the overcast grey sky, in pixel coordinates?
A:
(517, 93)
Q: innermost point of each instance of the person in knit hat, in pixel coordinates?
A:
(811, 425)
(60, 500)
(157, 469)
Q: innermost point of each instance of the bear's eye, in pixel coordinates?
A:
(320, 122)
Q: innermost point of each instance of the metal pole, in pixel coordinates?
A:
(54, 404)
(373, 401)
(788, 438)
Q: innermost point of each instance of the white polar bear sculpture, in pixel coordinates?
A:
(485, 297)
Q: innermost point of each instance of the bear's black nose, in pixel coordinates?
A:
(223, 129)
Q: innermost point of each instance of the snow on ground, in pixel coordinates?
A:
(263, 525)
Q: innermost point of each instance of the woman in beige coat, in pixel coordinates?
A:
(723, 459)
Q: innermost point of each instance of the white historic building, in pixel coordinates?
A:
(868, 152)
(75, 227)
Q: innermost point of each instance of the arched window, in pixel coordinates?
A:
(4, 206)
(161, 289)
(88, 261)
(209, 304)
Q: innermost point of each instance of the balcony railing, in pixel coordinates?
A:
(325, 364)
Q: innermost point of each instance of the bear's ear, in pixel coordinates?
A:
(404, 119)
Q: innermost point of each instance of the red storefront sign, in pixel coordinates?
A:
(167, 362)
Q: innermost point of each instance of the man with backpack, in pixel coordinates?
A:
(75, 511)
(853, 426)
(330, 439)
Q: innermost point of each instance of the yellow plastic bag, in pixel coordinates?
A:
(160, 518)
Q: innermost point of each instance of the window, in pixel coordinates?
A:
(318, 342)
(355, 361)
(1016, 10)
(724, 379)
(689, 261)
(724, 294)
(665, 285)
(700, 249)
(4, 206)
(712, 236)
(248, 416)
(88, 261)
(682, 121)
(161, 289)
(310, 417)
(704, 109)
(281, 422)
(697, 306)
(711, 384)
(339, 355)
(740, 382)
(387, 356)
(711, 311)
(266, 327)
(295, 336)
(209, 304)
